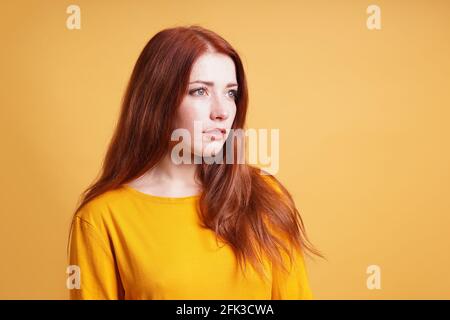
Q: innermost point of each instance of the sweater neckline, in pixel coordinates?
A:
(163, 199)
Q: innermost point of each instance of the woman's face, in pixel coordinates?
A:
(209, 104)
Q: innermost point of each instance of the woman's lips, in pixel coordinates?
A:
(215, 134)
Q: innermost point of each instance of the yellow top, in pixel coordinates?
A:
(132, 245)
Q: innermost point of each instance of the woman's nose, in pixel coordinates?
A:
(219, 109)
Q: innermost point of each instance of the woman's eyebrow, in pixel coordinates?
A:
(211, 84)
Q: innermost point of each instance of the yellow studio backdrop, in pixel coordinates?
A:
(363, 116)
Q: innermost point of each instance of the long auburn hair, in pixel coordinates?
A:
(237, 202)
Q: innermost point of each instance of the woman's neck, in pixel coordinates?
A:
(168, 179)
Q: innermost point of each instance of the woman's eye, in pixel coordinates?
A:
(233, 93)
(202, 92)
(198, 92)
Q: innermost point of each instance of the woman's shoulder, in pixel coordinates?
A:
(100, 208)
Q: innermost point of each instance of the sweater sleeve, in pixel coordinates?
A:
(293, 285)
(88, 250)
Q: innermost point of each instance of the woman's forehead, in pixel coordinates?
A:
(213, 67)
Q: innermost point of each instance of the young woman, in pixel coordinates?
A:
(151, 227)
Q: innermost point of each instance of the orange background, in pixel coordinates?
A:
(363, 118)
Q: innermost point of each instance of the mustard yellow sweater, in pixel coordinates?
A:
(132, 245)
